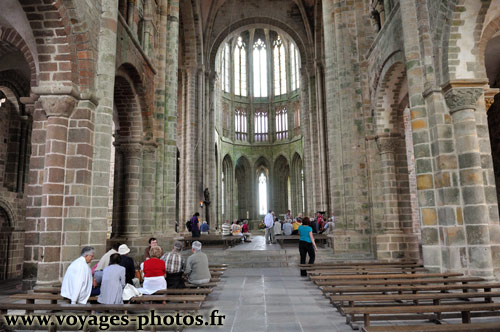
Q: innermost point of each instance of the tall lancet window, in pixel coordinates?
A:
(294, 58)
(240, 124)
(281, 124)
(260, 125)
(240, 68)
(225, 68)
(223, 188)
(259, 69)
(279, 64)
(262, 193)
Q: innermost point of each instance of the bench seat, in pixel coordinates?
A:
(321, 238)
(385, 276)
(473, 327)
(397, 281)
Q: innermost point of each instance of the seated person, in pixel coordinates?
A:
(226, 228)
(113, 282)
(174, 265)
(314, 226)
(78, 281)
(104, 261)
(295, 226)
(204, 227)
(197, 271)
(128, 263)
(153, 242)
(236, 228)
(245, 231)
(277, 227)
(287, 228)
(154, 273)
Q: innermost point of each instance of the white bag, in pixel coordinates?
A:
(129, 292)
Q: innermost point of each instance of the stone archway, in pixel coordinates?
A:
(5, 243)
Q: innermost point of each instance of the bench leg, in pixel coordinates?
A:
(366, 319)
(438, 314)
(465, 317)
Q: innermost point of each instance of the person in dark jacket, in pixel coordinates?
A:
(195, 225)
(127, 263)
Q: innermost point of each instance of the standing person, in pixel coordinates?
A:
(197, 270)
(320, 222)
(128, 263)
(77, 282)
(195, 225)
(306, 244)
(174, 265)
(113, 282)
(269, 223)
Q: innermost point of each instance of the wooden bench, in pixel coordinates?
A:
(486, 287)
(54, 298)
(321, 238)
(226, 240)
(465, 311)
(445, 281)
(379, 299)
(374, 271)
(170, 291)
(383, 276)
(359, 268)
(472, 327)
(362, 263)
(207, 285)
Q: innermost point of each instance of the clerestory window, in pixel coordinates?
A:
(259, 69)
(279, 63)
(260, 123)
(240, 68)
(240, 124)
(225, 68)
(294, 58)
(281, 124)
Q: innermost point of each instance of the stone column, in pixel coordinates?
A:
(148, 224)
(322, 203)
(476, 259)
(304, 120)
(132, 173)
(52, 226)
(170, 118)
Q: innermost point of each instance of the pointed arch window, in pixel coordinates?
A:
(279, 64)
(240, 68)
(260, 126)
(240, 124)
(223, 188)
(281, 124)
(294, 57)
(225, 68)
(262, 193)
(259, 69)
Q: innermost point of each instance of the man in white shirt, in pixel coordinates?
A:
(269, 222)
(77, 282)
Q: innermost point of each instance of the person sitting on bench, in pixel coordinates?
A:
(154, 273)
(77, 282)
(113, 282)
(245, 231)
(174, 266)
(287, 228)
(205, 228)
(197, 271)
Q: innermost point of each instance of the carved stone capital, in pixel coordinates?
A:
(131, 149)
(463, 94)
(58, 105)
(489, 97)
(386, 144)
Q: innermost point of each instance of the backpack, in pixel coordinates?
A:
(189, 225)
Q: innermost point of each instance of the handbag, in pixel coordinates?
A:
(129, 292)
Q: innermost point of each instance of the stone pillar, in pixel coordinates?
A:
(147, 224)
(304, 119)
(170, 119)
(475, 256)
(132, 174)
(52, 230)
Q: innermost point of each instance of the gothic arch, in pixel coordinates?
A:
(297, 184)
(227, 188)
(242, 175)
(280, 184)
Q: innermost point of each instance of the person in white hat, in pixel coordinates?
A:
(127, 263)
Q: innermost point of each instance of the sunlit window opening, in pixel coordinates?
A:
(259, 69)
(240, 68)
(222, 196)
(240, 124)
(294, 56)
(225, 68)
(262, 193)
(281, 124)
(302, 185)
(260, 126)
(279, 64)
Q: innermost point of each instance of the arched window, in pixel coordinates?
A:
(223, 188)
(262, 193)
(225, 68)
(260, 126)
(294, 56)
(279, 64)
(240, 68)
(240, 124)
(281, 124)
(259, 69)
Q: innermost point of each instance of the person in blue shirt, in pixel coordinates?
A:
(204, 227)
(306, 244)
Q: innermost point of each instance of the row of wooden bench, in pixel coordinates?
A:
(382, 291)
(187, 300)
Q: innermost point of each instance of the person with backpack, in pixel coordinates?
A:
(195, 225)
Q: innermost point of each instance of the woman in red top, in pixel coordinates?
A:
(154, 272)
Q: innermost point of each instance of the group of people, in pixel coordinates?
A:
(196, 226)
(116, 271)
